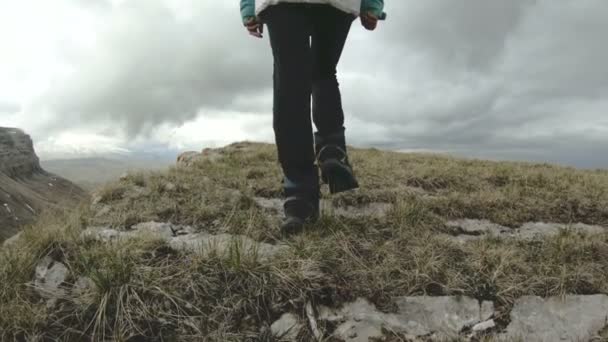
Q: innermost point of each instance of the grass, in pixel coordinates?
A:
(145, 290)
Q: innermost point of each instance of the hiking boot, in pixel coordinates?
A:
(299, 211)
(332, 158)
(302, 201)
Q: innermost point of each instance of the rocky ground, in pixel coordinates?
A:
(430, 249)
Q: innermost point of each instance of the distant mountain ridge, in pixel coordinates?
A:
(25, 187)
(90, 172)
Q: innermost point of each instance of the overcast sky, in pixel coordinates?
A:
(517, 79)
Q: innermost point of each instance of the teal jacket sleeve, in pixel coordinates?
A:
(374, 6)
(247, 9)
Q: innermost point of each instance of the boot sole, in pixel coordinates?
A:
(337, 176)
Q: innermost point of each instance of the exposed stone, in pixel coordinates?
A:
(223, 244)
(185, 238)
(100, 233)
(169, 187)
(484, 326)
(444, 317)
(540, 229)
(467, 229)
(273, 204)
(573, 318)
(17, 157)
(286, 328)
(160, 230)
(49, 277)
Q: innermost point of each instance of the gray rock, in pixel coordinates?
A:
(159, 230)
(223, 244)
(49, 277)
(185, 238)
(573, 318)
(100, 233)
(468, 229)
(169, 186)
(444, 317)
(273, 204)
(359, 321)
(484, 326)
(540, 229)
(287, 327)
(25, 187)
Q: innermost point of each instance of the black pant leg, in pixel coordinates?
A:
(330, 31)
(289, 28)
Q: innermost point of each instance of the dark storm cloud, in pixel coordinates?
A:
(462, 34)
(150, 66)
(520, 78)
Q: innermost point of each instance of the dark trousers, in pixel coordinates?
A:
(307, 41)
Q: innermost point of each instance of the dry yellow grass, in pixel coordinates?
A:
(147, 291)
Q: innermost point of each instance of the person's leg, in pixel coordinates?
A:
(289, 30)
(330, 30)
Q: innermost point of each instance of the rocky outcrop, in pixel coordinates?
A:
(17, 157)
(25, 188)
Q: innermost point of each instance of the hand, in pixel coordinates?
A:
(254, 27)
(369, 21)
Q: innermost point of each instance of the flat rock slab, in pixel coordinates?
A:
(573, 318)
(445, 316)
(440, 317)
(540, 229)
(224, 244)
(185, 238)
(469, 229)
(49, 277)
